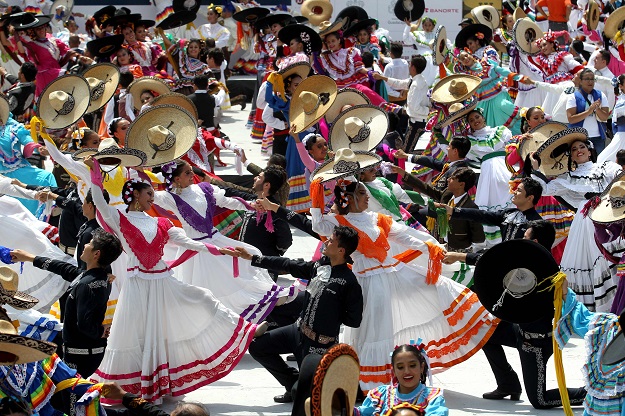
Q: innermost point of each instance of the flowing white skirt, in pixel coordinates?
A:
(169, 337)
(609, 153)
(493, 193)
(529, 98)
(587, 270)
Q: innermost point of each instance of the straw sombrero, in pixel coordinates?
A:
(103, 80)
(554, 151)
(105, 46)
(512, 281)
(540, 134)
(17, 349)
(310, 38)
(317, 11)
(593, 12)
(455, 88)
(30, 21)
(358, 26)
(335, 383)
(614, 353)
(9, 295)
(164, 133)
(345, 96)
(361, 127)
(411, 9)
(525, 34)
(325, 27)
(473, 30)
(5, 108)
(177, 19)
(175, 98)
(140, 85)
(519, 14)
(311, 100)
(109, 153)
(251, 15)
(615, 22)
(346, 162)
(486, 15)
(64, 101)
(301, 69)
(457, 111)
(612, 206)
(440, 45)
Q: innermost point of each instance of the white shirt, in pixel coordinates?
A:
(271, 121)
(398, 68)
(590, 122)
(217, 32)
(418, 103)
(608, 90)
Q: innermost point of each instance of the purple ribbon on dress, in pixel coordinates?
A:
(202, 224)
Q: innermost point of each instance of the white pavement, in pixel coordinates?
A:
(249, 389)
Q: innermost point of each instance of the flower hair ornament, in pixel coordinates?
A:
(113, 122)
(309, 137)
(129, 189)
(479, 35)
(216, 9)
(305, 37)
(615, 83)
(77, 136)
(549, 36)
(420, 346)
(524, 111)
(168, 170)
(431, 19)
(343, 184)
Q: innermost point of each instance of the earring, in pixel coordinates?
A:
(137, 206)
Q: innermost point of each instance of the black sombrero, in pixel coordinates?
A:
(309, 36)
(30, 21)
(186, 5)
(473, 30)
(251, 15)
(105, 46)
(358, 26)
(177, 19)
(409, 9)
(104, 14)
(270, 19)
(352, 14)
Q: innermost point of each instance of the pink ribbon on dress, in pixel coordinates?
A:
(211, 249)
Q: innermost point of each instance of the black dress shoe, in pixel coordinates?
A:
(501, 394)
(291, 357)
(287, 397)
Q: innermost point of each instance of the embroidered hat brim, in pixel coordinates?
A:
(440, 45)
(466, 109)
(177, 19)
(605, 212)
(525, 34)
(107, 73)
(81, 154)
(318, 84)
(338, 24)
(327, 172)
(140, 85)
(175, 98)
(121, 156)
(442, 94)
(26, 349)
(373, 117)
(553, 152)
(18, 300)
(301, 69)
(592, 15)
(540, 134)
(73, 85)
(345, 96)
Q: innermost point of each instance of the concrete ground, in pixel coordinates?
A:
(249, 389)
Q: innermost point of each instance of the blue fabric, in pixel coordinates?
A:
(376, 402)
(580, 106)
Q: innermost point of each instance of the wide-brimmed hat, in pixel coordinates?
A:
(486, 15)
(345, 96)
(104, 14)
(30, 21)
(346, 162)
(18, 349)
(540, 134)
(301, 69)
(147, 23)
(325, 27)
(5, 109)
(553, 153)
(68, 5)
(123, 16)
(611, 208)
(310, 38)
(186, 5)
(251, 15)
(593, 12)
(457, 111)
(140, 85)
(352, 14)
(361, 127)
(475, 29)
(164, 133)
(455, 88)
(439, 47)
(311, 100)
(317, 11)
(615, 351)
(411, 9)
(177, 19)
(335, 383)
(109, 153)
(175, 98)
(353, 29)
(614, 22)
(513, 280)
(525, 34)
(105, 46)
(9, 17)
(519, 14)
(103, 80)
(64, 101)
(9, 295)
(282, 18)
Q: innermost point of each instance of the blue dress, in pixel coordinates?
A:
(383, 398)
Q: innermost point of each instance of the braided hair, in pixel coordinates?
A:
(172, 170)
(418, 353)
(129, 188)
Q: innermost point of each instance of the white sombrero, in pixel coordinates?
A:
(175, 98)
(440, 45)
(103, 80)
(540, 134)
(345, 96)
(614, 22)
(592, 15)
(361, 127)
(525, 34)
(64, 101)
(346, 162)
(457, 111)
(486, 15)
(140, 85)
(612, 206)
(109, 153)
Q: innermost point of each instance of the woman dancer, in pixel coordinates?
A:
(143, 54)
(167, 337)
(252, 294)
(190, 61)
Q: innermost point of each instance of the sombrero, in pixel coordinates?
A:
(123, 16)
(317, 11)
(186, 5)
(175, 98)
(164, 133)
(554, 151)
(361, 127)
(8, 17)
(64, 101)
(104, 14)
(145, 23)
(615, 351)
(455, 88)
(519, 14)
(309, 36)
(301, 19)
(540, 134)
(358, 26)
(346, 162)
(302, 69)
(270, 19)
(5, 108)
(67, 4)
(177, 19)
(525, 33)
(105, 46)
(103, 80)
(614, 22)
(612, 206)
(138, 86)
(109, 153)
(251, 15)
(486, 15)
(16, 349)
(325, 27)
(473, 30)
(345, 96)
(512, 280)
(440, 45)
(457, 111)
(311, 100)
(30, 21)
(593, 12)
(9, 295)
(352, 14)
(409, 9)
(335, 383)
